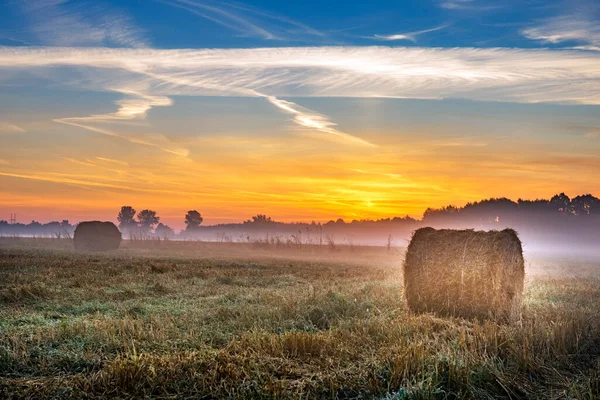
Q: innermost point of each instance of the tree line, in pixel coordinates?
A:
(574, 216)
(147, 223)
(503, 209)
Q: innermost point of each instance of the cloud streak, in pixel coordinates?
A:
(309, 119)
(147, 78)
(512, 75)
(222, 17)
(593, 133)
(467, 5)
(8, 128)
(110, 160)
(134, 107)
(576, 28)
(86, 163)
(410, 36)
(245, 20)
(456, 4)
(61, 23)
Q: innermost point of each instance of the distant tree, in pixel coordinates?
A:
(164, 231)
(491, 206)
(561, 202)
(126, 218)
(537, 205)
(52, 228)
(440, 213)
(260, 219)
(193, 219)
(403, 219)
(66, 228)
(585, 205)
(147, 219)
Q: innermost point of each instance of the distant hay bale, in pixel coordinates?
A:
(465, 273)
(96, 236)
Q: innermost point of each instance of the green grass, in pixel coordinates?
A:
(229, 321)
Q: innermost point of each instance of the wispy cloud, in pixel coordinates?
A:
(288, 23)
(580, 130)
(578, 28)
(148, 77)
(459, 142)
(498, 74)
(411, 36)
(310, 119)
(454, 4)
(246, 20)
(8, 128)
(469, 5)
(86, 163)
(153, 140)
(593, 133)
(64, 23)
(111, 160)
(222, 17)
(84, 182)
(134, 106)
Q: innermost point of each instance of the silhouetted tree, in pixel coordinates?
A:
(537, 205)
(403, 219)
(164, 231)
(126, 218)
(147, 219)
(585, 205)
(193, 219)
(52, 228)
(34, 226)
(260, 219)
(66, 228)
(561, 202)
(434, 214)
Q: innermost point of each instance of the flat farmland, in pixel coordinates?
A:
(238, 320)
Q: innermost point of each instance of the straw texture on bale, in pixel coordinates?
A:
(96, 236)
(465, 273)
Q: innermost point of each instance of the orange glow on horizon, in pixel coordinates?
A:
(226, 184)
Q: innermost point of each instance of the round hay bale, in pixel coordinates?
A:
(96, 236)
(465, 273)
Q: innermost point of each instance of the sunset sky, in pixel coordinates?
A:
(309, 110)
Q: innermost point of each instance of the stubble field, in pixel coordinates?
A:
(227, 320)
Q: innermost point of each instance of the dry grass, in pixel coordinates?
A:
(206, 321)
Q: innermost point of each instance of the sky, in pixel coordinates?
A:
(312, 110)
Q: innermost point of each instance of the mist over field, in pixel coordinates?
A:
(558, 225)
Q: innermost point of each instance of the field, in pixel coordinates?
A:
(228, 320)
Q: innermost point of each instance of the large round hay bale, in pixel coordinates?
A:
(96, 236)
(466, 273)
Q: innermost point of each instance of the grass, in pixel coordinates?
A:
(230, 320)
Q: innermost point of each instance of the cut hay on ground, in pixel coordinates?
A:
(96, 236)
(466, 273)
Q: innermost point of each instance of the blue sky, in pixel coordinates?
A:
(224, 24)
(314, 109)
